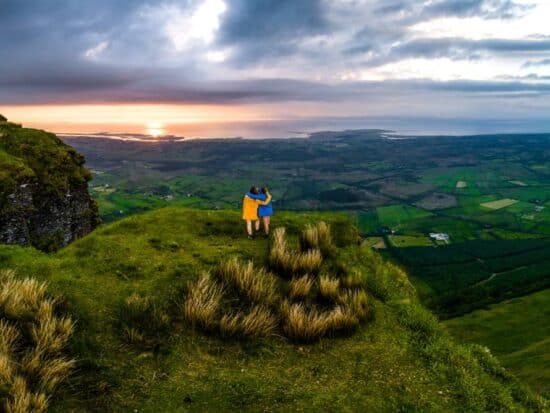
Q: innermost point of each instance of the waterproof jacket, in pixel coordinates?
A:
(250, 205)
(265, 210)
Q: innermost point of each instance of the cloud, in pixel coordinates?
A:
(492, 9)
(95, 52)
(536, 63)
(270, 28)
(269, 51)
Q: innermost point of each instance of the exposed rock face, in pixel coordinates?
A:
(44, 199)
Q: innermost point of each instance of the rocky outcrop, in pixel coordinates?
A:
(44, 199)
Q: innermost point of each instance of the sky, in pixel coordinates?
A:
(239, 67)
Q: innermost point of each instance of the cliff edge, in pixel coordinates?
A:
(44, 199)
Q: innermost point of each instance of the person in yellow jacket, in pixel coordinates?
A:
(251, 201)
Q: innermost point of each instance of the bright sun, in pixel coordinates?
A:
(155, 129)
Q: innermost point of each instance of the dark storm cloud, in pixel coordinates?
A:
(270, 28)
(455, 48)
(43, 44)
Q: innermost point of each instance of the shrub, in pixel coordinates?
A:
(300, 287)
(142, 321)
(258, 322)
(32, 341)
(3, 118)
(329, 287)
(254, 283)
(203, 302)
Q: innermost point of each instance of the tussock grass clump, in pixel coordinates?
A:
(329, 287)
(252, 282)
(257, 323)
(279, 258)
(303, 325)
(300, 287)
(290, 263)
(203, 303)
(243, 301)
(317, 237)
(308, 262)
(356, 301)
(32, 341)
(142, 321)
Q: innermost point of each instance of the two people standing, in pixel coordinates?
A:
(257, 206)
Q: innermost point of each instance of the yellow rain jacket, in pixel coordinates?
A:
(250, 206)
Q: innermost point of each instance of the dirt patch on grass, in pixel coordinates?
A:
(437, 201)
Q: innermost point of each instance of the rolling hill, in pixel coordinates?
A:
(399, 359)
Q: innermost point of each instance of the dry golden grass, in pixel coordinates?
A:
(53, 372)
(303, 325)
(342, 318)
(255, 283)
(329, 287)
(9, 334)
(6, 371)
(300, 287)
(32, 340)
(203, 302)
(308, 262)
(309, 238)
(317, 237)
(258, 322)
(298, 319)
(279, 258)
(19, 298)
(290, 263)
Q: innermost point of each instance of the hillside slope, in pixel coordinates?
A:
(400, 360)
(44, 199)
(518, 332)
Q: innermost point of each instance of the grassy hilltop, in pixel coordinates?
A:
(126, 285)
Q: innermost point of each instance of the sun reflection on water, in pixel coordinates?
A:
(155, 129)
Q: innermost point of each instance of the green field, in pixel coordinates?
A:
(395, 215)
(517, 331)
(402, 241)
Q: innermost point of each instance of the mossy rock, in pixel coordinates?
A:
(37, 167)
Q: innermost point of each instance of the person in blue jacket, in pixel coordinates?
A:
(264, 212)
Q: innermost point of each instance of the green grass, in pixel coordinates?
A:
(402, 241)
(517, 331)
(395, 215)
(399, 361)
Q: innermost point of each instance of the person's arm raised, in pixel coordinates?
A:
(267, 201)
